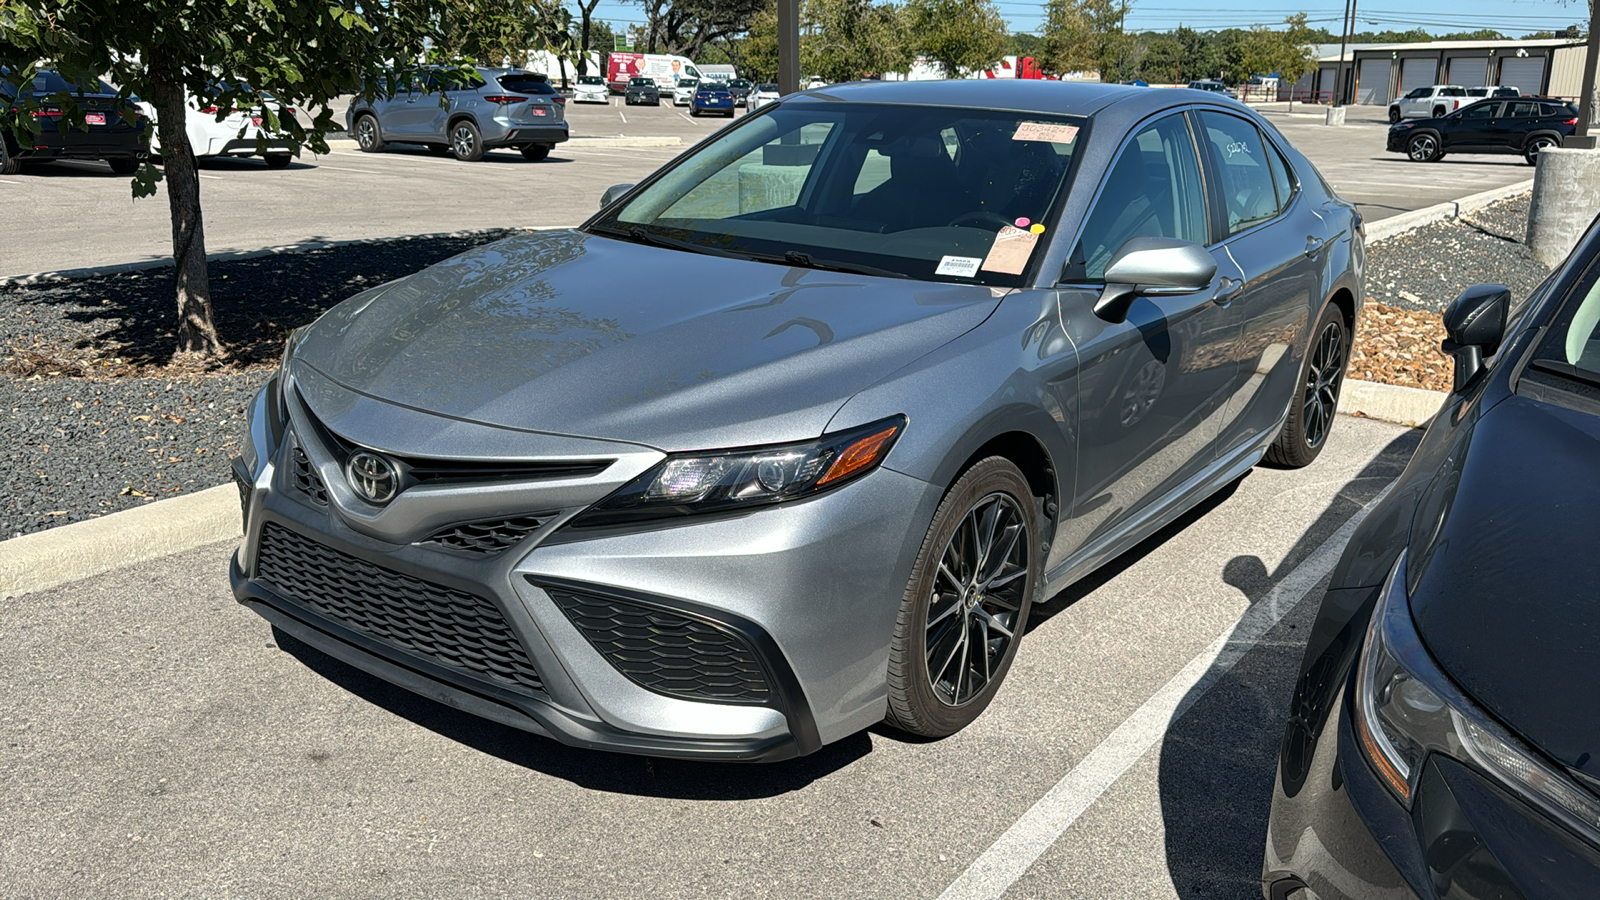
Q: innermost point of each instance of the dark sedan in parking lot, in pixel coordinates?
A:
(787, 440)
(1444, 736)
(1520, 125)
(105, 134)
(642, 90)
(712, 98)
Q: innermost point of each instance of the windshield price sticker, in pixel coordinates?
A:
(960, 266)
(1045, 131)
(1010, 252)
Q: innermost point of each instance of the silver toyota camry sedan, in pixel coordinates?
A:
(785, 441)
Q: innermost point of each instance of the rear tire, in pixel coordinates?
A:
(1439, 111)
(536, 153)
(368, 136)
(9, 163)
(279, 160)
(1538, 145)
(466, 142)
(123, 166)
(973, 579)
(1316, 398)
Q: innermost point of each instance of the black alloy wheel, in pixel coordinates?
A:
(1423, 148)
(465, 141)
(1537, 146)
(966, 606)
(1311, 413)
(368, 137)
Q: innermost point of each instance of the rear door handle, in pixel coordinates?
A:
(1314, 245)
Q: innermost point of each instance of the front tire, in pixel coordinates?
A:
(466, 142)
(1438, 112)
(368, 137)
(1423, 148)
(966, 607)
(1315, 402)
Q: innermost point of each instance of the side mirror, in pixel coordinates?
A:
(1474, 324)
(613, 193)
(1152, 266)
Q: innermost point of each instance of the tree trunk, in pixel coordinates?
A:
(197, 330)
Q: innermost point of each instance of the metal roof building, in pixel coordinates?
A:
(1378, 73)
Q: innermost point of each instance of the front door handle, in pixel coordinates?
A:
(1314, 245)
(1227, 289)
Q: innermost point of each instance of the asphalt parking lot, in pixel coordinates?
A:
(159, 740)
(86, 217)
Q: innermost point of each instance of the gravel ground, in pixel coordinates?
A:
(97, 417)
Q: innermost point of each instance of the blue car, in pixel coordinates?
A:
(712, 98)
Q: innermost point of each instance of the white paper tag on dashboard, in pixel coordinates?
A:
(959, 266)
(1045, 131)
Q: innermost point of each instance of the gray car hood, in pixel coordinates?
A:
(562, 332)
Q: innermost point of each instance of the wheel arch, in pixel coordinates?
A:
(1022, 446)
(456, 119)
(1546, 133)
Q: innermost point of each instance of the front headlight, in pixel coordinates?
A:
(1407, 708)
(718, 481)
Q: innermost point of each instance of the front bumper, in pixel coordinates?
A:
(753, 637)
(1345, 837)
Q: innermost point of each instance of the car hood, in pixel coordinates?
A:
(1505, 577)
(568, 333)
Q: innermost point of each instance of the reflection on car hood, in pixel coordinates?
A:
(1506, 574)
(596, 337)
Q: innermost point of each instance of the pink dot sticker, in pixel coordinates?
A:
(1022, 222)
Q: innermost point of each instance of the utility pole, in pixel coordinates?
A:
(1344, 40)
(1582, 137)
(788, 46)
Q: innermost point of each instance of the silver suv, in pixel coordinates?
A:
(465, 116)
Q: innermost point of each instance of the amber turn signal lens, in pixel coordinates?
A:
(860, 455)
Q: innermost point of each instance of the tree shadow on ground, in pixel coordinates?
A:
(1219, 757)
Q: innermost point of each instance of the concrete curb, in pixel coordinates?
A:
(45, 559)
(1387, 402)
(225, 256)
(35, 562)
(1450, 209)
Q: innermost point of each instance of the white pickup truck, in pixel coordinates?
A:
(1429, 102)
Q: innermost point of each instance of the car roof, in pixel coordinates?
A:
(1021, 95)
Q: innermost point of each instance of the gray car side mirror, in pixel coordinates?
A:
(612, 193)
(1152, 266)
(1474, 324)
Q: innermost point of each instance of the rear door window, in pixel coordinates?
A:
(1249, 190)
(1522, 110)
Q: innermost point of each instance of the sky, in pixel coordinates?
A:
(1512, 17)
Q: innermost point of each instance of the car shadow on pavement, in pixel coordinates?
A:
(1219, 757)
(593, 769)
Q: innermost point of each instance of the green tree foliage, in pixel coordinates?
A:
(685, 26)
(494, 32)
(840, 40)
(169, 51)
(960, 35)
(759, 51)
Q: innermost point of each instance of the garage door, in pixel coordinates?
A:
(1523, 72)
(1372, 82)
(1325, 83)
(1469, 72)
(1415, 73)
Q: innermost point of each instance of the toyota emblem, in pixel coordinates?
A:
(373, 478)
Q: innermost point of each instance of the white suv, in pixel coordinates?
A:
(213, 132)
(1429, 102)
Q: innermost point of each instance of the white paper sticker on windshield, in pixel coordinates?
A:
(1045, 131)
(1009, 255)
(960, 266)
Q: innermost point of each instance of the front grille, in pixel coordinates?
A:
(486, 537)
(306, 479)
(460, 630)
(667, 652)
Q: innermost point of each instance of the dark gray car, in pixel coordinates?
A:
(467, 117)
(787, 440)
(642, 90)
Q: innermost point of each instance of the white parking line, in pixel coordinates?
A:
(204, 175)
(1010, 856)
(323, 165)
(3, 181)
(688, 118)
(621, 116)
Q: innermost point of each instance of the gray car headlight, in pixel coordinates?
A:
(722, 480)
(1407, 708)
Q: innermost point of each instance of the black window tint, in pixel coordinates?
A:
(1522, 110)
(1248, 193)
(523, 83)
(1453, 92)
(1480, 111)
(1280, 176)
(48, 82)
(1154, 190)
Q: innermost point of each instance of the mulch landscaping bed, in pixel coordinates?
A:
(98, 416)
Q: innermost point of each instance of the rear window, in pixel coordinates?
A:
(1453, 92)
(52, 82)
(526, 83)
(766, 88)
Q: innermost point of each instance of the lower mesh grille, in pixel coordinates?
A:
(448, 626)
(306, 480)
(486, 537)
(667, 652)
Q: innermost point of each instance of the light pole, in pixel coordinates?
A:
(1582, 137)
(788, 46)
(1344, 40)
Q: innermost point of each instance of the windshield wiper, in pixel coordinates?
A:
(642, 235)
(807, 261)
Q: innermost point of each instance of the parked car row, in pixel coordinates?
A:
(1519, 125)
(465, 115)
(1436, 101)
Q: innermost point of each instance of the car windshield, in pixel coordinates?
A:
(687, 83)
(641, 82)
(932, 193)
(591, 79)
(1572, 345)
(738, 83)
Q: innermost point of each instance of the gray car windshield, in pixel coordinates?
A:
(924, 192)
